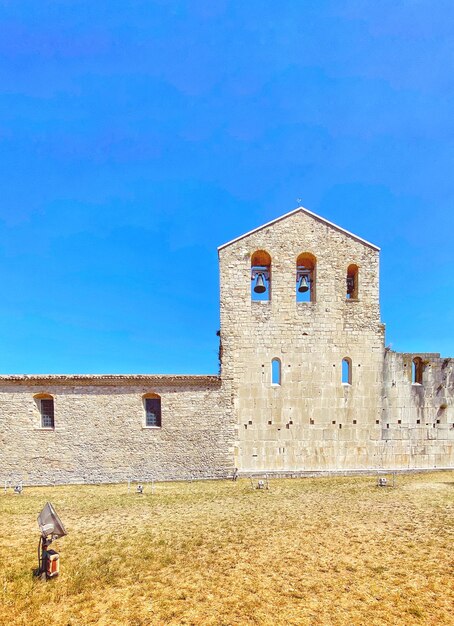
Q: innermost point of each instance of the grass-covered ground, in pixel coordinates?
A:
(319, 551)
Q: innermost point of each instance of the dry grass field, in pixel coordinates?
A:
(322, 551)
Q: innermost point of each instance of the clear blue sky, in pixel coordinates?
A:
(136, 137)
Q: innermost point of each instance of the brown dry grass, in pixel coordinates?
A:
(320, 551)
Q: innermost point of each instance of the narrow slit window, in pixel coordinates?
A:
(47, 413)
(276, 372)
(346, 371)
(153, 411)
(305, 277)
(260, 276)
(417, 369)
(352, 282)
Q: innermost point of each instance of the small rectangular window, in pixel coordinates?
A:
(153, 411)
(47, 413)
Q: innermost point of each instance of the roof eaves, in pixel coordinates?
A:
(110, 379)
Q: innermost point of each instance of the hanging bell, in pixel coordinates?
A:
(259, 286)
(303, 284)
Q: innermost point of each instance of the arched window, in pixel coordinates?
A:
(152, 404)
(276, 372)
(45, 403)
(260, 276)
(346, 371)
(305, 277)
(352, 282)
(417, 369)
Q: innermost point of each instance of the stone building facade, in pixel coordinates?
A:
(306, 383)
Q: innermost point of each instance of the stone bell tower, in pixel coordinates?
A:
(303, 345)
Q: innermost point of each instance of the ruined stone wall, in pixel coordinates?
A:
(100, 433)
(418, 419)
(312, 421)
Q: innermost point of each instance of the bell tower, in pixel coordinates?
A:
(299, 298)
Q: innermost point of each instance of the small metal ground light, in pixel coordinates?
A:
(17, 487)
(260, 482)
(139, 486)
(386, 480)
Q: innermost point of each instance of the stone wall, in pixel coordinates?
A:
(100, 433)
(418, 419)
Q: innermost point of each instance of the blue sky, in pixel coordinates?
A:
(136, 137)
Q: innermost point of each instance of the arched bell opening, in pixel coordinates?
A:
(352, 282)
(417, 370)
(260, 276)
(305, 277)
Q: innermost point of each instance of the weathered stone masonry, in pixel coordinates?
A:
(311, 421)
(100, 433)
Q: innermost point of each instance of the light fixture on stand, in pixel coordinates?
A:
(51, 528)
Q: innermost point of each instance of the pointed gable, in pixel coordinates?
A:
(307, 212)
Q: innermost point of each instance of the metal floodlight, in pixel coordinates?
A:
(50, 524)
(51, 528)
